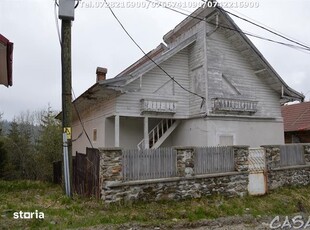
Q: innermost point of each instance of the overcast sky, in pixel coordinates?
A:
(98, 40)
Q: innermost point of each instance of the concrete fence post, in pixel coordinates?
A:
(185, 161)
(110, 169)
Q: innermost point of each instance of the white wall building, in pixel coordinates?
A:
(143, 107)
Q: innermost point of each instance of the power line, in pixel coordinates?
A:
(253, 20)
(233, 29)
(56, 21)
(75, 108)
(82, 124)
(262, 27)
(133, 40)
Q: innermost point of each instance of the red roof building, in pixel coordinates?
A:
(6, 60)
(297, 122)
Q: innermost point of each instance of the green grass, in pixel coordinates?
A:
(61, 212)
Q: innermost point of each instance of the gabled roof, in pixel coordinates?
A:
(160, 54)
(296, 117)
(262, 67)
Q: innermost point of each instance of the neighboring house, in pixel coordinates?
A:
(142, 107)
(296, 122)
(6, 60)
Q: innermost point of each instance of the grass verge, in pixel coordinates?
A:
(61, 212)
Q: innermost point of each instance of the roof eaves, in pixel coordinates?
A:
(293, 93)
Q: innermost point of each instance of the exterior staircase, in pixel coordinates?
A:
(159, 133)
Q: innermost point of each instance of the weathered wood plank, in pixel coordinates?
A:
(149, 164)
(213, 160)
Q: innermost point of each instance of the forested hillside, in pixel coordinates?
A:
(29, 145)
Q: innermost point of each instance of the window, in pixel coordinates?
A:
(94, 135)
(226, 140)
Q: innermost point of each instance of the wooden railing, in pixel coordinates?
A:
(233, 105)
(158, 106)
(156, 133)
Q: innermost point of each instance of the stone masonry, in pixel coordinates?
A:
(185, 185)
(289, 175)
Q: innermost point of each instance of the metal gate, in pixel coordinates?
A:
(257, 171)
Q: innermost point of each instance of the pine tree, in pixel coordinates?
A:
(49, 143)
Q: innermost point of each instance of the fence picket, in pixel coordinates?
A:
(149, 164)
(291, 155)
(213, 160)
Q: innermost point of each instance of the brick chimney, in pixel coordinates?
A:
(101, 74)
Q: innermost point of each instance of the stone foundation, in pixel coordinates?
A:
(228, 184)
(289, 176)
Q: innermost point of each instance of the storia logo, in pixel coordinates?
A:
(296, 222)
(28, 215)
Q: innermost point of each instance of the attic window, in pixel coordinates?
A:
(94, 135)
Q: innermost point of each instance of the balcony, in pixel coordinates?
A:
(158, 106)
(234, 106)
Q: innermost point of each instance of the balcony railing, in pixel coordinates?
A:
(229, 105)
(158, 106)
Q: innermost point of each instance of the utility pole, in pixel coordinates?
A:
(66, 91)
(66, 14)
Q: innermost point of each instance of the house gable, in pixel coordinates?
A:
(157, 86)
(231, 75)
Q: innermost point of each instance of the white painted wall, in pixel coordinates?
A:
(207, 132)
(131, 132)
(93, 118)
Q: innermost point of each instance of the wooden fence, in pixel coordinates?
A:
(149, 164)
(292, 155)
(86, 173)
(214, 160)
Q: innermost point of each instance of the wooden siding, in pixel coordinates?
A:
(157, 85)
(197, 71)
(224, 58)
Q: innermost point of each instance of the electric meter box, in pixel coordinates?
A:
(66, 9)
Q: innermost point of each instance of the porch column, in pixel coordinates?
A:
(116, 128)
(146, 133)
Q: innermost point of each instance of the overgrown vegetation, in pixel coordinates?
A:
(62, 212)
(29, 147)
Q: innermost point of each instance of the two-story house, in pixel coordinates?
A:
(143, 107)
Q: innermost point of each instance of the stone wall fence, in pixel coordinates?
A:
(286, 175)
(185, 185)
